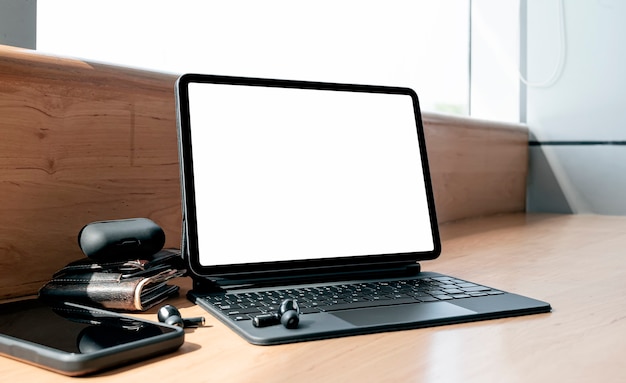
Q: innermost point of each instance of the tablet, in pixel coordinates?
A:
(73, 340)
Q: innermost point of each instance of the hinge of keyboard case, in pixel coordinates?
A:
(223, 284)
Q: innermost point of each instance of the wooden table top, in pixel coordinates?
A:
(576, 263)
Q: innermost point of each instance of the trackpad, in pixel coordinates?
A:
(402, 314)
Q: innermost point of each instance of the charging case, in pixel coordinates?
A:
(119, 240)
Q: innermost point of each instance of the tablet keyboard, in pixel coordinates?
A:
(328, 298)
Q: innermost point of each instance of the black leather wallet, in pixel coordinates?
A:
(132, 285)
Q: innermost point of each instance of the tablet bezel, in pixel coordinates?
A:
(278, 268)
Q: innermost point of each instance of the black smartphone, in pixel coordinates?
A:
(74, 340)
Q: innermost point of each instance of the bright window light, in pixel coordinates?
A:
(418, 44)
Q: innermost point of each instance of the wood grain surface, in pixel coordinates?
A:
(80, 142)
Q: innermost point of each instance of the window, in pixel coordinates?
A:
(420, 44)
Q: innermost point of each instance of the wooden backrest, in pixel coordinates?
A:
(83, 141)
(80, 142)
(477, 167)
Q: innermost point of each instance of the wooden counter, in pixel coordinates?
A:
(575, 262)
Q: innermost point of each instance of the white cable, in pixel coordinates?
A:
(558, 69)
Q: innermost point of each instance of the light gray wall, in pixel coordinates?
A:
(18, 23)
(494, 90)
(578, 125)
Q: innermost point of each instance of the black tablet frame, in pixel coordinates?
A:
(264, 270)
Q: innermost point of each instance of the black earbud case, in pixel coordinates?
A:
(123, 239)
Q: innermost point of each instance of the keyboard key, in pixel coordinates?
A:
(428, 299)
(466, 284)
(251, 310)
(453, 291)
(459, 296)
(309, 310)
(475, 288)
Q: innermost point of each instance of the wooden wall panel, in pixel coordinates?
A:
(478, 168)
(83, 141)
(79, 142)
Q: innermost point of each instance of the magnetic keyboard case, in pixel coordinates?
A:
(365, 319)
(341, 143)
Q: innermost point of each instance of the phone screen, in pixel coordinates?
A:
(70, 329)
(75, 340)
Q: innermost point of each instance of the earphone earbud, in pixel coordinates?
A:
(169, 314)
(288, 314)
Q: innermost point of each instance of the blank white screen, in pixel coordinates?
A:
(292, 174)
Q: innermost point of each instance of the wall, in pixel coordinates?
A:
(494, 60)
(18, 19)
(81, 142)
(577, 125)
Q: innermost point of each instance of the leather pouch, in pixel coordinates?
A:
(134, 285)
